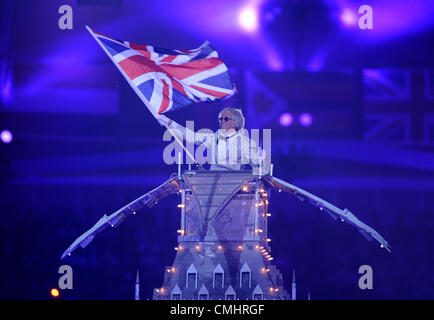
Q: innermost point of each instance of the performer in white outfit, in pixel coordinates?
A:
(231, 147)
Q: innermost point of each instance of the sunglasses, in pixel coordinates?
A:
(225, 119)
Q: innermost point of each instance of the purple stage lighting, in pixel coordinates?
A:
(286, 119)
(6, 90)
(389, 21)
(6, 136)
(271, 15)
(348, 17)
(248, 19)
(305, 119)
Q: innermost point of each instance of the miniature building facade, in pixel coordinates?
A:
(223, 252)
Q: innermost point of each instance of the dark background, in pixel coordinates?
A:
(84, 145)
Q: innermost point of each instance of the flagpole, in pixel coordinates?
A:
(139, 93)
(180, 143)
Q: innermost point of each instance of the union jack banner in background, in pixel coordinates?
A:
(399, 106)
(169, 79)
(329, 97)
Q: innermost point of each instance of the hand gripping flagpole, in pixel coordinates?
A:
(140, 94)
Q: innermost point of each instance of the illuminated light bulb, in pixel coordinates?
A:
(276, 290)
(158, 290)
(173, 269)
(181, 205)
(270, 258)
(197, 247)
(240, 247)
(271, 289)
(263, 250)
(257, 247)
(219, 248)
(268, 214)
(134, 212)
(168, 270)
(268, 240)
(245, 188)
(54, 293)
(181, 232)
(381, 246)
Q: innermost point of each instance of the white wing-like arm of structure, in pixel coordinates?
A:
(344, 215)
(148, 199)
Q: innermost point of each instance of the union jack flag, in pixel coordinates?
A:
(399, 106)
(166, 80)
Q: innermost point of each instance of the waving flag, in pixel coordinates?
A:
(169, 79)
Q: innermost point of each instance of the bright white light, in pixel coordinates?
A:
(6, 136)
(248, 19)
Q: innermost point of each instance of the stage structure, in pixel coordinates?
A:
(223, 251)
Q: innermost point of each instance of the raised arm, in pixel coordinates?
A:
(185, 133)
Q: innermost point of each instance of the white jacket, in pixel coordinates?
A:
(230, 150)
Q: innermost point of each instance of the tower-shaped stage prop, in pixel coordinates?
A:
(223, 251)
